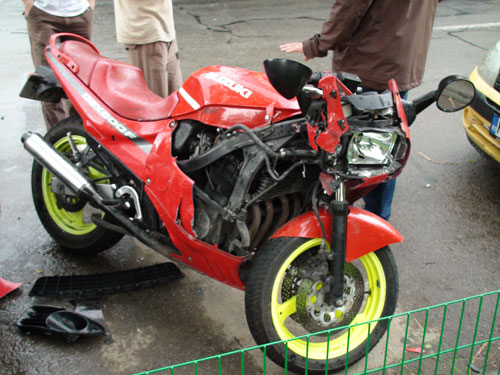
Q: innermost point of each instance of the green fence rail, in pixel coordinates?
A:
(457, 337)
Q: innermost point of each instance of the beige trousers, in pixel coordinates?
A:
(160, 64)
(41, 26)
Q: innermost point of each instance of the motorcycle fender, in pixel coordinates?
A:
(366, 232)
(43, 85)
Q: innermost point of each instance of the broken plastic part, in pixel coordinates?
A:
(90, 286)
(55, 320)
(6, 287)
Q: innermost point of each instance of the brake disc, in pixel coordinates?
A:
(315, 314)
(70, 203)
(292, 279)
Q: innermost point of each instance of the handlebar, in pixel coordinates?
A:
(313, 92)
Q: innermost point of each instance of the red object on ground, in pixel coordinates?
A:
(416, 350)
(6, 287)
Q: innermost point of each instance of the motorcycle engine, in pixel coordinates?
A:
(237, 203)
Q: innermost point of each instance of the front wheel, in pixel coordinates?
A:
(285, 299)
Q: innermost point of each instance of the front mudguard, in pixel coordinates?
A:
(366, 232)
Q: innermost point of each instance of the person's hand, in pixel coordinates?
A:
(28, 4)
(293, 47)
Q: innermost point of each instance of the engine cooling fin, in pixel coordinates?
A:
(105, 283)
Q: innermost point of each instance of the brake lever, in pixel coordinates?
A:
(315, 114)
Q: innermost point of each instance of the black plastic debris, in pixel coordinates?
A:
(475, 369)
(89, 286)
(92, 309)
(50, 320)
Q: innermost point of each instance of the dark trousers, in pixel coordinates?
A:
(41, 26)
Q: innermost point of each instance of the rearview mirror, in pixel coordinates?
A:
(455, 93)
(288, 77)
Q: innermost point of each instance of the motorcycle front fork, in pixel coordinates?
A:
(339, 208)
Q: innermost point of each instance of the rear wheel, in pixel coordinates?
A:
(67, 218)
(285, 299)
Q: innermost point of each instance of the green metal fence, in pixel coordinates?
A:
(458, 337)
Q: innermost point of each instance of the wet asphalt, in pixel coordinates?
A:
(447, 203)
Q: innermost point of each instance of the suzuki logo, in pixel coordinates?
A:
(230, 84)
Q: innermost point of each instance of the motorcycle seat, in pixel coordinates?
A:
(119, 85)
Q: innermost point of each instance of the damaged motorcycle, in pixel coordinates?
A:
(248, 177)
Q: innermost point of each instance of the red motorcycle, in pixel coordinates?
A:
(245, 176)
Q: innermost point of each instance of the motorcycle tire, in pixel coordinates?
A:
(67, 218)
(283, 301)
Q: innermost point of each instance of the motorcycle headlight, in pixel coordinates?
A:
(371, 148)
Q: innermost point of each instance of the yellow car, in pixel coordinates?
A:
(481, 118)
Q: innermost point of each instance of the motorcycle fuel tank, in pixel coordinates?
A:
(224, 96)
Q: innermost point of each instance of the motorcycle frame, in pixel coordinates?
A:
(145, 148)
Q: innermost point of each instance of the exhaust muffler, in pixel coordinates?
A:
(59, 165)
(63, 169)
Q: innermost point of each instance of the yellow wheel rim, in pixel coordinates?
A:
(70, 222)
(337, 347)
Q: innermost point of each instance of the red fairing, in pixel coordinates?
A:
(144, 146)
(393, 87)
(170, 191)
(216, 95)
(329, 139)
(366, 232)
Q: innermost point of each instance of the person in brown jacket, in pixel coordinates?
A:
(378, 40)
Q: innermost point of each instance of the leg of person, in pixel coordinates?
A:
(151, 59)
(386, 194)
(379, 200)
(372, 200)
(41, 26)
(81, 25)
(173, 68)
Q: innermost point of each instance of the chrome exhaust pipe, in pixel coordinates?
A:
(63, 169)
(59, 165)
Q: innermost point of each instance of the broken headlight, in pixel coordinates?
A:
(371, 148)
